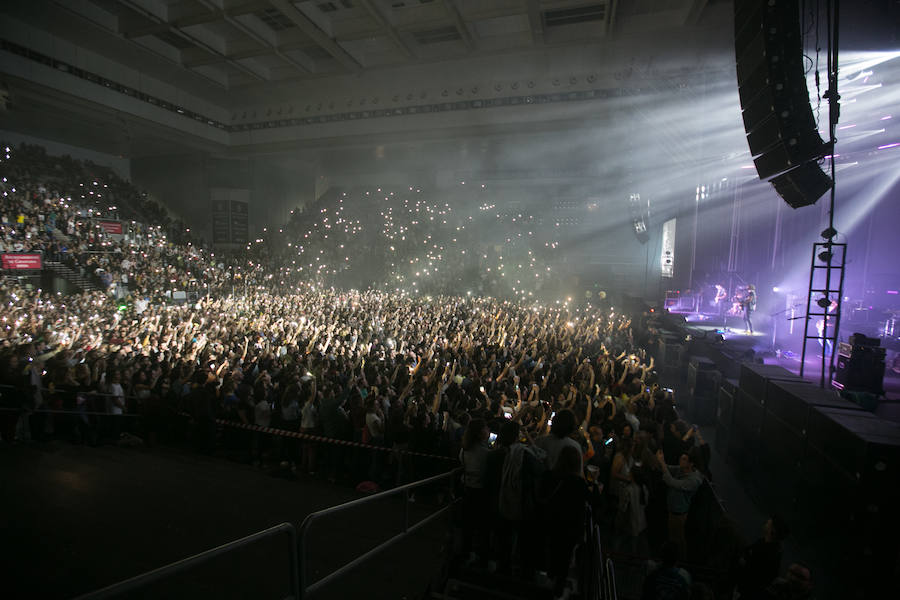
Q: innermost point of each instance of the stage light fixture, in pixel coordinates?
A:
(829, 233)
(825, 256)
(823, 302)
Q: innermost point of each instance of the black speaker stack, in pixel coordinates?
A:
(745, 443)
(725, 414)
(703, 385)
(818, 459)
(671, 354)
(860, 365)
(778, 118)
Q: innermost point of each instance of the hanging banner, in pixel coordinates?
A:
(111, 227)
(667, 254)
(21, 261)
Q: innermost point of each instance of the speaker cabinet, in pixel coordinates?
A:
(781, 129)
(860, 368)
(792, 402)
(754, 378)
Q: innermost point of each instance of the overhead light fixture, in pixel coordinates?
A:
(825, 256)
(823, 302)
(829, 233)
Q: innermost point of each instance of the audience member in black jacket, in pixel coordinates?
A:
(760, 562)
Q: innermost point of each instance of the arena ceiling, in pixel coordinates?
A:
(263, 62)
(252, 44)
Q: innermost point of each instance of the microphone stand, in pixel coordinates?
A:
(775, 321)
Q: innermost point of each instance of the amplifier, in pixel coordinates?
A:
(850, 350)
(860, 369)
(859, 339)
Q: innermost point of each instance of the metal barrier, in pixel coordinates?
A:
(307, 588)
(139, 582)
(611, 593)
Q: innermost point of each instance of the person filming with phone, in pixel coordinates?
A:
(683, 481)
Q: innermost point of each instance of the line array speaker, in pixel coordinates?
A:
(778, 119)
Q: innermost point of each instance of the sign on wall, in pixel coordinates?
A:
(21, 261)
(667, 253)
(220, 223)
(111, 227)
(240, 226)
(230, 216)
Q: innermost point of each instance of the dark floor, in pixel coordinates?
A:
(80, 518)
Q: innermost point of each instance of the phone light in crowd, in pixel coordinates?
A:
(776, 289)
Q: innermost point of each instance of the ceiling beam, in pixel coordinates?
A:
(535, 21)
(692, 15)
(179, 64)
(216, 60)
(453, 11)
(241, 54)
(193, 20)
(146, 30)
(190, 38)
(611, 13)
(247, 31)
(388, 28)
(317, 35)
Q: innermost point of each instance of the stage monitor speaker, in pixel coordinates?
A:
(781, 131)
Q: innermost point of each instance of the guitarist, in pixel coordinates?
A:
(748, 303)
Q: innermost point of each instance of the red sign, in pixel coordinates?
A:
(21, 261)
(111, 227)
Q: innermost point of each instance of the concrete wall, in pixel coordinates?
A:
(183, 183)
(122, 166)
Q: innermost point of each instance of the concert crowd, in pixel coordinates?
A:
(549, 407)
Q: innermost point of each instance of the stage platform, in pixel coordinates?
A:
(783, 349)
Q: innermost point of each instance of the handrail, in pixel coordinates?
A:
(306, 588)
(611, 593)
(139, 581)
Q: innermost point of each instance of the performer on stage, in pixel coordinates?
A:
(721, 294)
(825, 342)
(748, 303)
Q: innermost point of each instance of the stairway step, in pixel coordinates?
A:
(488, 586)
